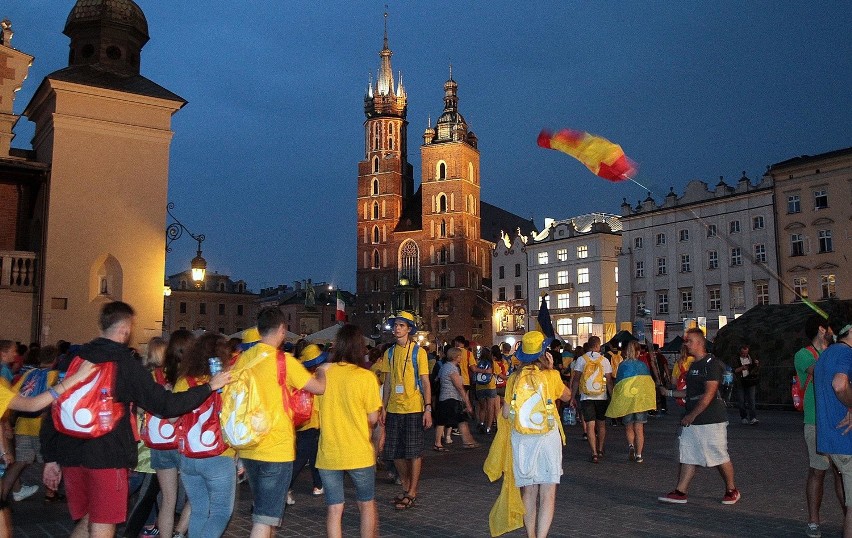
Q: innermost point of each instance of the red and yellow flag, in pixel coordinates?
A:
(601, 156)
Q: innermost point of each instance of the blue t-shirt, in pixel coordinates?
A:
(837, 359)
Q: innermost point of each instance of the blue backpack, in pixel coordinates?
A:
(483, 378)
(33, 384)
(414, 364)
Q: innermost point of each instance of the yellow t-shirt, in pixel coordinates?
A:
(467, 361)
(6, 396)
(379, 369)
(404, 395)
(31, 425)
(351, 393)
(279, 444)
(182, 385)
(680, 367)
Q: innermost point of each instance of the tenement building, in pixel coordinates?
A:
(813, 217)
(705, 257)
(427, 249)
(218, 304)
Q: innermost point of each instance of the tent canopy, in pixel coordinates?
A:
(328, 335)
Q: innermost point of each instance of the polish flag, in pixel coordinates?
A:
(341, 309)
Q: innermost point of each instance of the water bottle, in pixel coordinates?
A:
(215, 367)
(2, 467)
(512, 409)
(105, 411)
(551, 421)
(569, 416)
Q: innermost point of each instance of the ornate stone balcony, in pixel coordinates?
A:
(18, 270)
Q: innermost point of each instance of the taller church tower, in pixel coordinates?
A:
(385, 183)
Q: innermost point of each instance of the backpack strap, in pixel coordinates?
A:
(414, 364)
(281, 359)
(814, 352)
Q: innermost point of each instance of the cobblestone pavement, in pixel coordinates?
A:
(613, 498)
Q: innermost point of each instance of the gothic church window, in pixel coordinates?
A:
(443, 232)
(409, 262)
(442, 203)
(375, 188)
(375, 210)
(442, 170)
(376, 263)
(375, 234)
(376, 159)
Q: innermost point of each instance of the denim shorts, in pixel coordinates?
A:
(269, 482)
(364, 480)
(165, 459)
(637, 418)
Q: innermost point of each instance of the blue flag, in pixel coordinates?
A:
(544, 323)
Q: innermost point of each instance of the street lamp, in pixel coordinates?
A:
(175, 231)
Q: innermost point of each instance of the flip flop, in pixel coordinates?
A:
(471, 446)
(398, 499)
(437, 448)
(594, 458)
(405, 503)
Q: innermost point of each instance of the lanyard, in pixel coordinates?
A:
(405, 364)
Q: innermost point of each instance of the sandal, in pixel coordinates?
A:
(438, 448)
(405, 503)
(471, 446)
(398, 499)
(594, 458)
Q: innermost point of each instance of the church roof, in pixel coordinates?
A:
(91, 75)
(124, 12)
(493, 220)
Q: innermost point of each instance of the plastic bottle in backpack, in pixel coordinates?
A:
(105, 411)
(797, 396)
(569, 416)
(215, 367)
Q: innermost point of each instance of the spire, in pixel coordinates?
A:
(386, 97)
(384, 82)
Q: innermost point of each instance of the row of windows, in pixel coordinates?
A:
(202, 309)
(564, 326)
(827, 286)
(794, 202)
(562, 254)
(797, 243)
(563, 299)
(562, 277)
(210, 286)
(714, 298)
(441, 171)
(501, 271)
(501, 292)
(757, 223)
(735, 260)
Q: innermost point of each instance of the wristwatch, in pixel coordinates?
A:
(428, 407)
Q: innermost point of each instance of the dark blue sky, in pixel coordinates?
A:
(264, 158)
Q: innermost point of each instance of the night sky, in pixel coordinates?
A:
(264, 158)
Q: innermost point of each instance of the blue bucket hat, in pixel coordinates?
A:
(407, 317)
(533, 344)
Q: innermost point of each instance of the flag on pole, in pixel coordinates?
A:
(341, 309)
(543, 319)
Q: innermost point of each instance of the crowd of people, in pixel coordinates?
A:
(369, 409)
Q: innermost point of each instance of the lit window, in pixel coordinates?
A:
(686, 300)
(714, 299)
(583, 275)
(794, 205)
(562, 254)
(563, 326)
(797, 245)
(661, 239)
(637, 242)
(661, 266)
(562, 277)
(640, 269)
(542, 258)
(584, 298)
(584, 328)
(827, 285)
(563, 300)
(736, 256)
(760, 253)
(543, 280)
(662, 303)
(757, 223)
(685, 266)
(825, 241)
(800, 286)
(583, 251)
(711, 230)
(684, 235)
(820, 199)
(734, 227)
(713, 259)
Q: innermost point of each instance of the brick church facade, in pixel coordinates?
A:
(424, 251)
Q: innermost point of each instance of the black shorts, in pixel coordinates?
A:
(450, 413)
(594, 409)
(403, 436)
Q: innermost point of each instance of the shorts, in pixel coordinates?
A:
(501, 391)
(704, 444)
(844, 465)
(27, 449)
(94, 492)
(635, 418)
(594, 409)
(403, 436)
(269, 482)
(364, 480)
(484, 394)
(165, 459)
(817, 461)
(450, 413)
(537, 458)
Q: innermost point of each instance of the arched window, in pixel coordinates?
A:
(183, 284)
(375, 234)
(443, 255)
(390, 143)
(390, 128)
(442, 170)
(443, 232)
(409, 262)
(376, 261)
(375, 188)
(471, 204)
(442, 203)
(376, 159)
(221, 286)
(470, 172)
(375, 210)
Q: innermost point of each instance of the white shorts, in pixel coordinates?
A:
(537, 459)
(705, 444)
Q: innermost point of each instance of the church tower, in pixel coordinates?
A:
(457, 256)
(385, 184)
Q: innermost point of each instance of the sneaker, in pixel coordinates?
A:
(149, 531)
(731, 497)
(754, 421)
(25, 491)
(631, 453)
(674, 497)
(318, 491)
(290, 500)
(639, 458)
(813, 530)
(456, 432)
(745, 421)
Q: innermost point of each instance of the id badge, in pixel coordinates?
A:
(399, 389)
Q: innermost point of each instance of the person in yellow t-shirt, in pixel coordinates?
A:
(269, 464)
(404, 414)
(27, 446)
(211, 481)
(349, 408)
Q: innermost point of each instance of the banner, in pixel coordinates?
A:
(659, 331)
(702, 324)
